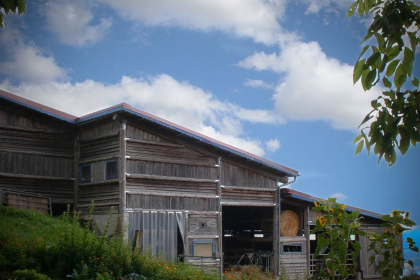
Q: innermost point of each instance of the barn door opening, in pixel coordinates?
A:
(247, 236)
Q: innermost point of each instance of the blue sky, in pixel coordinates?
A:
(272, 77)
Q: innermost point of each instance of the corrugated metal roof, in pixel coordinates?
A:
(37, 107)
(126, 108)
(306, 197)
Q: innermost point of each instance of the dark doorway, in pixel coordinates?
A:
(247, 235)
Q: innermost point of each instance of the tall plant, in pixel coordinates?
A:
(335, 228)
(388, 255)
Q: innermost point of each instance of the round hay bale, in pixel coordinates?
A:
(289, 223)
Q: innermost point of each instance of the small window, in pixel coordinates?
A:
(85, 173)
(293, 248)
(203, 248)
(111, 169)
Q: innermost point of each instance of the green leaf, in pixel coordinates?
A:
(413, 39)
(382, 64)
(386, 82)
(367, 143)
(391, 67)
(410, 262)
(367, 118)
(357, 138)
(393, 52)
(358, 69)
(408, 61)
(415, 82)
(400, 76)
(390, 156)
(373, 59)
(359, 147)
(405, 139)
(368, 81)
(378, 147)
(361, 9)
(375, 104)
(381, 42)
(352, 9)
(368, 35)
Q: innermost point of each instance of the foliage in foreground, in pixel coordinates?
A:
(11, 6)
(393, 39)
(335, 228)
(388, 257)
(62, 248)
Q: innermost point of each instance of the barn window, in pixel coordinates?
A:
(292, 248)
(111, 169)
(203, 248)
(85, 173)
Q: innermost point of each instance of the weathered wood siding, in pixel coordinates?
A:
(166, 175)
(242, 186)
(234, 175)
(368, 270)
(248, 197)
(295, 265)
(36, 155)
(99, 143)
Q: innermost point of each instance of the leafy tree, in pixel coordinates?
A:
(388, 58)
(14, 6)
(387, 255)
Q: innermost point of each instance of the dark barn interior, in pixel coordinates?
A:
(247, 235)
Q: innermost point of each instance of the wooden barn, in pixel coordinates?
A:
(175, 192)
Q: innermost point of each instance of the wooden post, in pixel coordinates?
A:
(123, 178)
(76, 171)
(307, 231)
(276, 234)
(220, 216)
(138, 240)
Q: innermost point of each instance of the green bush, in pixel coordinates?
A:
(29, 274)
(61, 247)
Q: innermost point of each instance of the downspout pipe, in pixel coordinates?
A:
(280, 186)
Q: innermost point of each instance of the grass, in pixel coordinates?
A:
(35, 246)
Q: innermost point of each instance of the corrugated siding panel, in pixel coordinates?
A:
(159, 232)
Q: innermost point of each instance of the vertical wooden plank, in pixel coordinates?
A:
(122, 175)
(220, 216)
(276, 234)
(76, 170)
(306, 229)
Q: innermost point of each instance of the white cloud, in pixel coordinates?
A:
(339, 196)
(261, 61)
(27, 62)
(255, 19)
(179, 102)
(314, 86)
(272, 145)
(71, 21)
(329, 5)
(258, 84)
